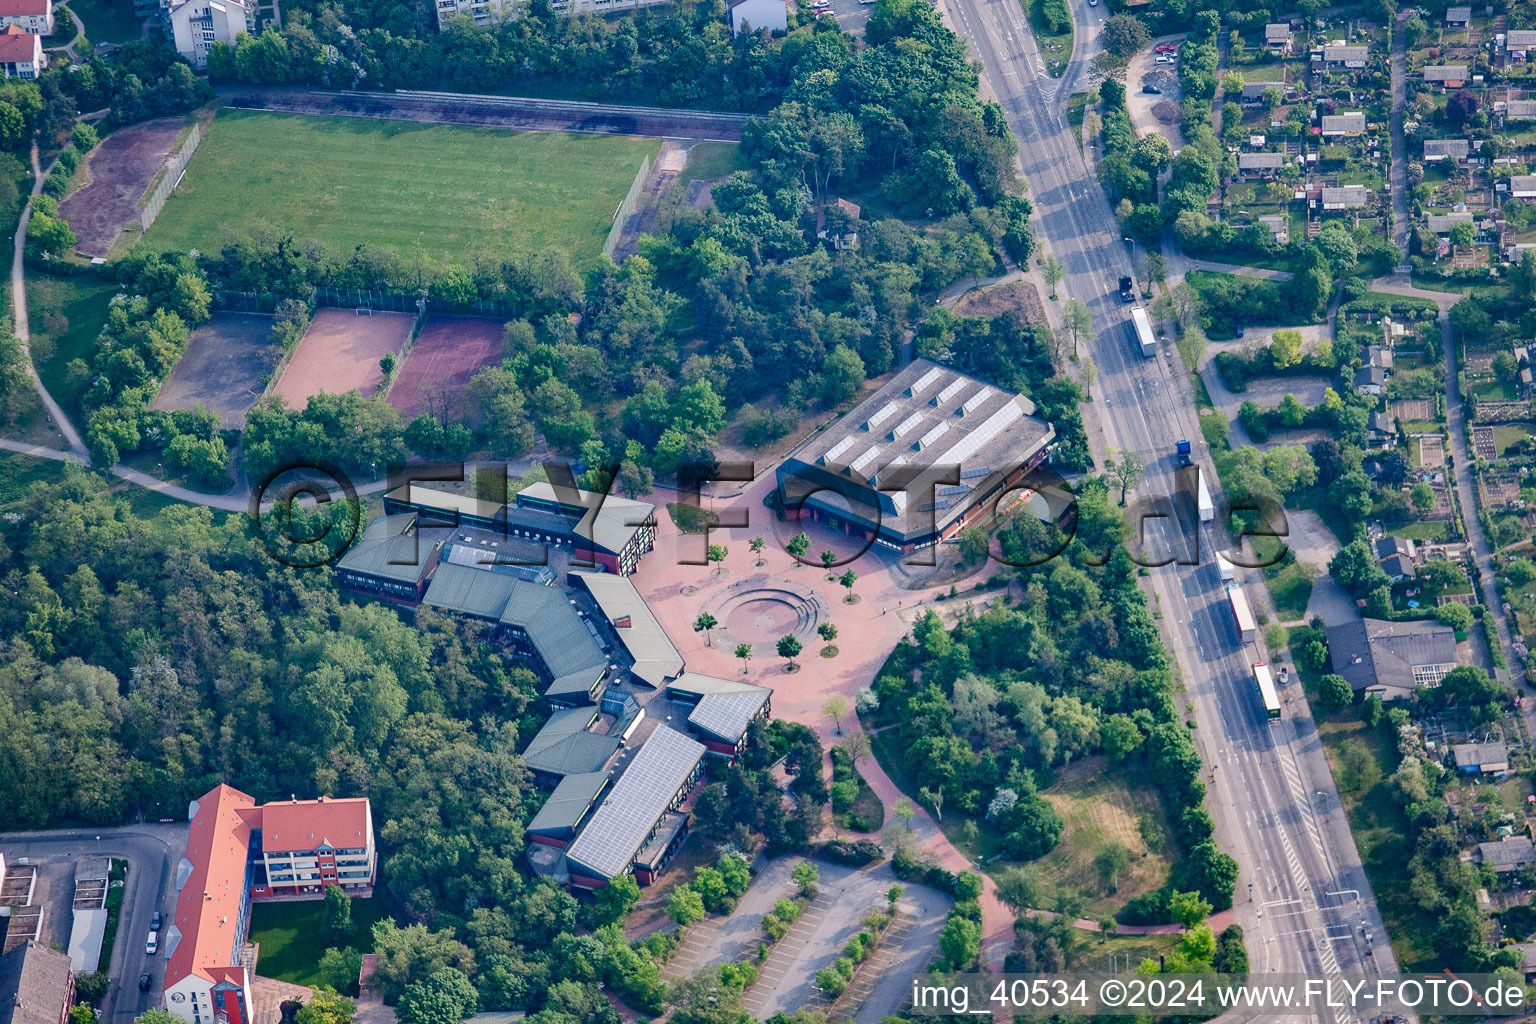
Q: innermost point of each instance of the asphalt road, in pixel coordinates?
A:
(152, 852)
(1271, 792)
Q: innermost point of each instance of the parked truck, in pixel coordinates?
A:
(1206, 507)
(1242, 615)
(1227, 569)
(1141, 332)
(1182, 452)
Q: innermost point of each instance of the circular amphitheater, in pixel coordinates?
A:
(760, 609)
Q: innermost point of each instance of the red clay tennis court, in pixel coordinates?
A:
(448, 352)
(340, 352)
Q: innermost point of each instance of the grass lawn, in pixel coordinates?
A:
(1289, 581)
(106, 21)
(1496, 390)
(1505, 435)
(291, 936)
(19, 472)
(66, 315)
(1103, 805)
(1055, 48)
(1432, 531)
(710, 160)
(439, 190)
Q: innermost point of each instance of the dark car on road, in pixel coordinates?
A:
(154, 922)
(144, 983)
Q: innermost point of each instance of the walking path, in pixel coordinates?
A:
(21, 327)
(1466, 489)
(1399, 148)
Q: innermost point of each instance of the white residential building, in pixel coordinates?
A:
(195, 25)
(31, 15)
(21, 53)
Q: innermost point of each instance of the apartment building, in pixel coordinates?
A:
(238, 852)
(35, 16)
(21, 53)
(195, 25)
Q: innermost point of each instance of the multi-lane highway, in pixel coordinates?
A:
(1303, 898)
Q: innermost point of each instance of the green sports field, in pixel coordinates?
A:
(435, 189)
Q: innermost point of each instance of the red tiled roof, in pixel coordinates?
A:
(17, 44)
(208, 906)
(292, 825)
(24, 8)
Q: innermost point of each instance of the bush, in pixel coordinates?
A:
(856, 853)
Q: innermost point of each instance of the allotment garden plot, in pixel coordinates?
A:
(447, 353)
(438, 190)
(340, 352)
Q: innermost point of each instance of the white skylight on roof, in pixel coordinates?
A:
(865, 459)
(976, 401)
(886, 412)
(837, 450)
(926, 381)
(951, 389)
(906, 425)
(933, 435)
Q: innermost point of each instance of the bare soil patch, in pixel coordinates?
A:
(1012, 296)
(224, 367)
(120, 169)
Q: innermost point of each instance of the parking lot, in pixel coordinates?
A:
(787, 978)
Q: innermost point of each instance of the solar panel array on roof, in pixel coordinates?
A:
(838, 449)
(955, 489)
(906, 425)
(989, 428)
(932, 435)
(865, 459)
(975, 401)
(622, 822)
(951, 389)
(973, 472)
(926, 381)
(886, 412)
(933, 506)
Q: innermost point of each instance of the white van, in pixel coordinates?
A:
(153, 944)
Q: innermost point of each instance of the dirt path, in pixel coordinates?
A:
(120, 168)
(670, 162)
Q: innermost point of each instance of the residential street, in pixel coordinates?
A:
(1271, 787)
(152, 850)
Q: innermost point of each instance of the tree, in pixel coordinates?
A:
(806, 876)
(326, 1006)
(444, 997)
(716, 553)
(703, 624)
(1334, 693)
(835, 708)
(1036, 830)
(1077, 319)
(960, 942)
(905, 810)
(828, 559)
(1356, 569)
(337, 913)
(1285, 349)
(685, 905)
(1054, 272)
(341, 966)
(789, 649)
(634, 479)
(857, 745)
(933, 798)
(1111, 863)
(1457, 616)
(847, 579)
(1126, 471)
(1124, 35)
(80, 1013)
(756, 544)
(89, 988)
(1461, 107)
(798, 545)
(387, 363)
(1018, 888)
(744, 652)
(1188, 908)
(1422, 496)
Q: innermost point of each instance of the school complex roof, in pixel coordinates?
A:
(636, 626)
